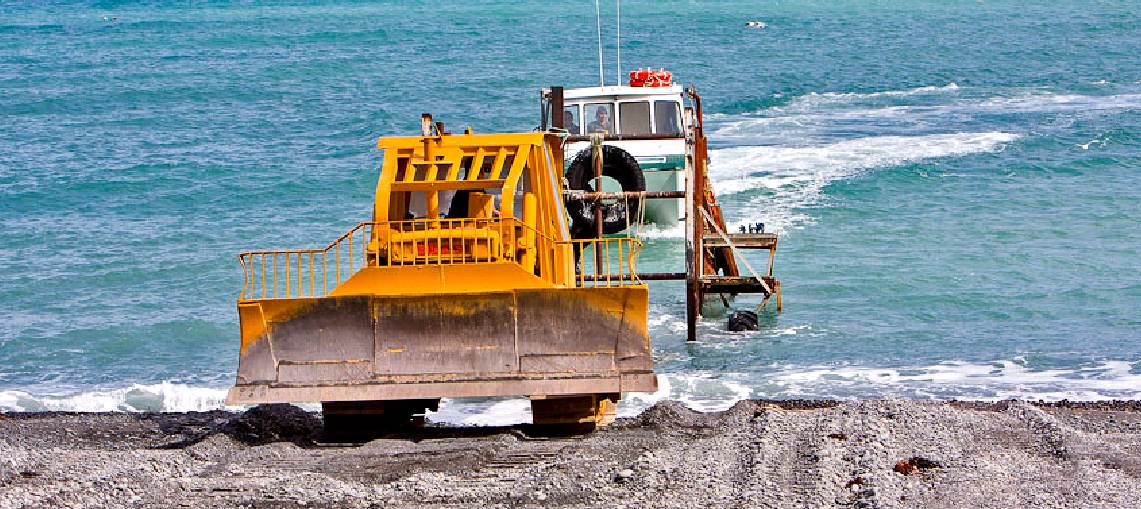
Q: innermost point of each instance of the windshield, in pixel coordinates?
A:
(601, 117)
(634, 117)
(571, 119)
(666, 117)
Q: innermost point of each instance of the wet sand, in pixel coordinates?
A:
(891, 453)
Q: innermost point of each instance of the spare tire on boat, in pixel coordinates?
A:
(616, 214)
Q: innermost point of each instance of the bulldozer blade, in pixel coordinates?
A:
(524, 342)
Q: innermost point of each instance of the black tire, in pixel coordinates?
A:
(742, 321)
(618, 165)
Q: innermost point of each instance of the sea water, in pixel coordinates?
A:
(957, 184)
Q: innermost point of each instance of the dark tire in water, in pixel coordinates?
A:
(742, 321)
(616, 214)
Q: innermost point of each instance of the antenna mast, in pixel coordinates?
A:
(598, 26)
(619, 44)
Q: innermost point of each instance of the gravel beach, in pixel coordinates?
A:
(890, 453)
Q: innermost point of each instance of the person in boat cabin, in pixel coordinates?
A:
(601, 120)
(568, 122)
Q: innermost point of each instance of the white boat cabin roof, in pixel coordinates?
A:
(621, 92)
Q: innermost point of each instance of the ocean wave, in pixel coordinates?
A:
(991, 381)
(701, 392)
(704, 392)
(998, 380)
(796, 176)
(164, 396)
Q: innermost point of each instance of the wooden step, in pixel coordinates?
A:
(736, 284)
(743, 240)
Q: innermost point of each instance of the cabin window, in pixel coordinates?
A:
(666, 117)
(571, 120)
(601, 117)
(635, 117)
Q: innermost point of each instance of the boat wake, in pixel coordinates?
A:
(784, 180)
(844, 97)
(782, 157)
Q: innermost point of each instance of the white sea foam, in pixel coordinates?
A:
(659, 320)
(796, 176)
(789, 151)
(998, 380)
(1004, 379)
(822, 97)
(1098, 142)
(163, 396)
(655, 231)
(495, 412)
(701, 392)
(815, 104)
(806, 115)
(1025, 100)
(707, 393)
(1046, 103)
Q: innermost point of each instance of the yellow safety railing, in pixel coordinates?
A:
(418, 242)
(606, 262)
(303, 272)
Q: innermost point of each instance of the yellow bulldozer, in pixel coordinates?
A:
(465, 283)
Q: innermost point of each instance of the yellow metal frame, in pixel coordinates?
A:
(419, 243)
(510, 166)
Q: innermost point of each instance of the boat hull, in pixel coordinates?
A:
(666, 213)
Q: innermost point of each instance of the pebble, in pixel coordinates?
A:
(704, 460)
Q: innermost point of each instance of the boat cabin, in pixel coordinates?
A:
(623, 110)
(647, 117)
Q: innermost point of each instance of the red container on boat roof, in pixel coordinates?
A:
(650, 78)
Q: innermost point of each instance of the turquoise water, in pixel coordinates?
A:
(957, 183)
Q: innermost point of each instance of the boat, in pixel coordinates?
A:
(645, 124)
(637, 154)
(643, 158)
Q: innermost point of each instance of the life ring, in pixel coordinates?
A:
(616, 215)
